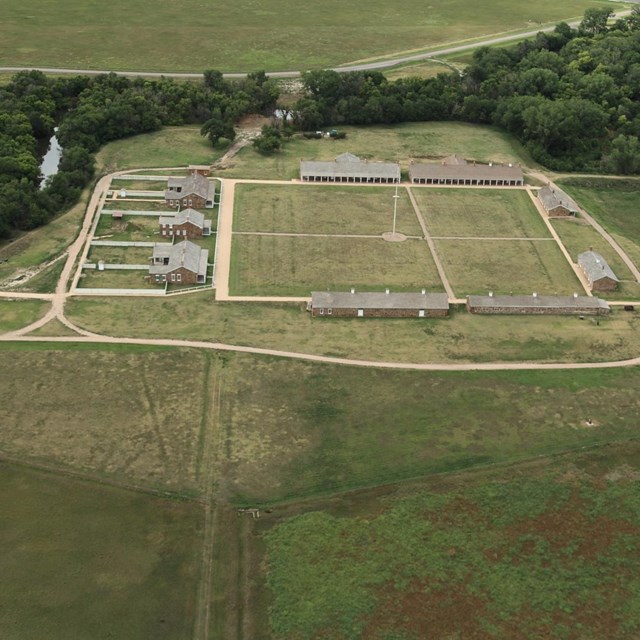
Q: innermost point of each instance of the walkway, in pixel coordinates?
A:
(432, 247)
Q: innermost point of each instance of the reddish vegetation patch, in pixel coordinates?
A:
(428, 611)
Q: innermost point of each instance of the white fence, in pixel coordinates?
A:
(116, 266)
(157, 214)
(118, 292)
(121, 243)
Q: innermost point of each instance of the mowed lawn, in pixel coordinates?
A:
(548, 550)
(298, 429)
(121, 255)
(478, 213)
(322, 209)
(128, 229)
(391, 143)
(289, 327)
(245, 36)
(507, 266)
(84, 560)
(295, 266)
(578, 236)
(117, 279)
(615, 205)
(15, 314)
(128, 416)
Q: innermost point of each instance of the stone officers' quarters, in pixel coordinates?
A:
(556, 202)
(599, 274)
(187, 223)
(338, 304)
(193, 191)
(201, 169)
(349, 168)
(456, 170)
(182, 263)
(537, 305)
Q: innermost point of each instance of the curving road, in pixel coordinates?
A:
(364, 66)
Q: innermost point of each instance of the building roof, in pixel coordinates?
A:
(183, 254)
(537, 302)
(186, 215)
(552, 198)
(455, 168)
(348, 165)
(595, 266)
(191, 184)
(378, 300)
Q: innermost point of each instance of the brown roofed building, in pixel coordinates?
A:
(187, 223)
(599, 274)
(556, 202)
(338, 304)
(349, 168)
(457, 171)
(193, 191)
(182, 263)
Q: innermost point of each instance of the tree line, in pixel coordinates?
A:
(572, 96)
(91, 111)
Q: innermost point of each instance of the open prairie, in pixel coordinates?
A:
(245, 36)
(547, 549)
(84, 560)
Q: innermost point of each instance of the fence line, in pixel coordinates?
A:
(121, 243)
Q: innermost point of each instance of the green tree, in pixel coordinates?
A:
(595, 21)
(216, 128)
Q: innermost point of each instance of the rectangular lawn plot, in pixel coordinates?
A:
(137, 205)
(281, 265)
(322, 209)
(129, 229)
(472, 213)
(116, 279)
(505, 267)
(120, 255)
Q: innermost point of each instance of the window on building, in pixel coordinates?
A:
(173, 277)
(329, 312)
(321, 312)
(179, 277)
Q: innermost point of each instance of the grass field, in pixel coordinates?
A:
(129, 229)
(170, 147)
(295, 266)
(505, 267)
(120, 255)
(544, 550)
(117, 279)
(321, 209)
(578, 237)
(391, 143)
(497, 213)
(276, 35)
(132, 205)
(135, 420)
(461, 338)
(19, 313)
(81, 560)
(614, 204)
(42, 244)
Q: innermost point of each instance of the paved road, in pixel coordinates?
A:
(365, 66)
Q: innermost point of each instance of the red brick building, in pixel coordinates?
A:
(187, 223)
(182, 263)
(194, 191)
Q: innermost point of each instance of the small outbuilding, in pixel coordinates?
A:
(341, 304)
(455, 170)
(187, 223)
(537, 305)
(193, 191)
(348, 167)
(202, 169)
(182, 263)
(556, 202)
(599, 274)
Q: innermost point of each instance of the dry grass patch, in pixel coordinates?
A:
(504, 267)
(129, 229)
(496, 213)
(120, 255)
(280, 266)
(15, 314)
(322, 209)
(117, 279)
